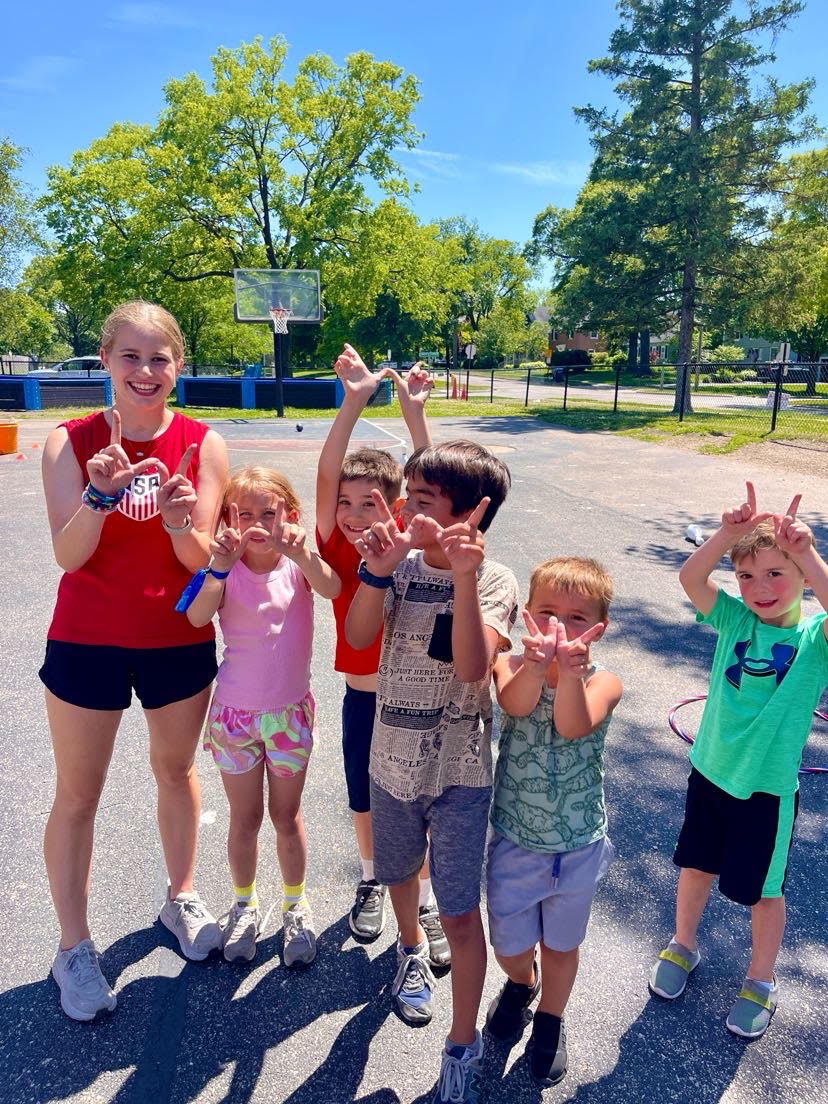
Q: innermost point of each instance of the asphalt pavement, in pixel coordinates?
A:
(209, 1032)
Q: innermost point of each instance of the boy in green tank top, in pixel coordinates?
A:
(769, 670)
(549, 846)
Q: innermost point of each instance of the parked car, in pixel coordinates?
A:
(80, 364)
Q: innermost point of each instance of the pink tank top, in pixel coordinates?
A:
(267, 624)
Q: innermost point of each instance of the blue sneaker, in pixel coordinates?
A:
(460, 1080)
(751, 1015)
(413, 985)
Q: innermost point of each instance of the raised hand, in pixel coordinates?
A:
(539, 647)
(739, 520)
(229, 545)
(573, 655)
(414, 388)
(383, 546)
(463, 544)
(792, 535)
(177, 495)
(354, 375)
(110, 470)
(286, 537)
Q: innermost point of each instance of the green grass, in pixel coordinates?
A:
(731, 429)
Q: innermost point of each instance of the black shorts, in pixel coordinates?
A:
(358, 708)
(96, 676)
(745, 841)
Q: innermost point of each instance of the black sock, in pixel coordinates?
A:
(546, 1031)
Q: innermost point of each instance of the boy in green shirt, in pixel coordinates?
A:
(769, 670)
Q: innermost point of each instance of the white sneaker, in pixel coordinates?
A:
(196, 930)
(300, 937)
(84, 991)
(240, 927)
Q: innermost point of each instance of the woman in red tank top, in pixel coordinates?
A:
(132, 496)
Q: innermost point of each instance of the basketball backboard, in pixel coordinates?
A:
(258, 290)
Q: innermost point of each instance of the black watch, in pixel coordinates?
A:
(381, 582)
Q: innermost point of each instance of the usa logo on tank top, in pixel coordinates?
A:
(141, 499)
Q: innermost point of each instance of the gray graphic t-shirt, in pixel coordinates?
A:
(431, 730)
(549, 792)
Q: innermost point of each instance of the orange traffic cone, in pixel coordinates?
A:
(454, 387)
(21, 456)
(462, 392)
(35, 445)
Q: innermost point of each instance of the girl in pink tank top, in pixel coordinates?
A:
(261, 722)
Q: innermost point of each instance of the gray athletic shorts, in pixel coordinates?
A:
(457, 820)
(528, 902)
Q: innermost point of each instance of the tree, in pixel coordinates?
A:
(17, 226)
(254, 171)
(794, 303)
(26, 326)
(699, 142)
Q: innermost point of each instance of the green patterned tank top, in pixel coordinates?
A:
(548, 792)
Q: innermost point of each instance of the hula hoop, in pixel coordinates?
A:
(688, 739)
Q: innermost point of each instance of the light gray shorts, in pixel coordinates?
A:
(457, 823)
(528, 901)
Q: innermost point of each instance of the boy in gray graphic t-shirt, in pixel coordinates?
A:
(446, 612)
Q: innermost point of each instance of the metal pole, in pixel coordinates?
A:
(566, 383)
(279, 342)
(617, 381)
(685, 371)
(448, 373)
(491, 388)
(777, 396)
(467, 380)
(528, 377)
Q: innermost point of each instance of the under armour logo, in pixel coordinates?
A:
(782, 656)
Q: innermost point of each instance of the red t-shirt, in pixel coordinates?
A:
(125, 593)
(344, 559)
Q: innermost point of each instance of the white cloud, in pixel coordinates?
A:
(571, 174)
(435, 162)
(39, 73)
(150, 15)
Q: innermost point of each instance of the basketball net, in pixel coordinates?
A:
(280, 317)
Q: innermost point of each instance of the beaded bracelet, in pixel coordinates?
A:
(100, 502)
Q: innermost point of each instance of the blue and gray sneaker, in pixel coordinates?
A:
(460, 1080)
(413, 985)
(751, 1014)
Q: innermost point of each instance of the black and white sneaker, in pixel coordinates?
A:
(367, 918)
(509, 1012)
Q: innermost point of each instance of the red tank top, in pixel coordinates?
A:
(125, 593)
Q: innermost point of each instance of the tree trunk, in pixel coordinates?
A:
(632, 350)
(644, 353)
(691, 257)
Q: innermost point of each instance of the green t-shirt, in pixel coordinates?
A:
(765, 684)
(548, 791)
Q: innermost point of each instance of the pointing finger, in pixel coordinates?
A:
(476, 516)
(184, 462)
(381, 505)
(115, 432)
(159, 465)
(794, 506)
(593, 633)
(234, 516)
(530, 623)
(751, 497)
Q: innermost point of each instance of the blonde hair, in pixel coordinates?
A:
(138, 312)
(756, 541)
(253, 480)
(581, 576)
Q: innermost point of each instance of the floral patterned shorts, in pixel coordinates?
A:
(240, 740)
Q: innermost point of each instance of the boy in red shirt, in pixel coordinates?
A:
(344, 509)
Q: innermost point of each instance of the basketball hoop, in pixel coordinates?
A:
(280, 317)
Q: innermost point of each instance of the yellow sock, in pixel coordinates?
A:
(292, 895)
(246, 895)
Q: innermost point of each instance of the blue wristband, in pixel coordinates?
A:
(188, 595)
(381, 582)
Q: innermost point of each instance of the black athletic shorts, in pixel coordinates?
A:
(95, 676)
(745, 841)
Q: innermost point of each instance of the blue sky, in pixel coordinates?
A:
(498, 83)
